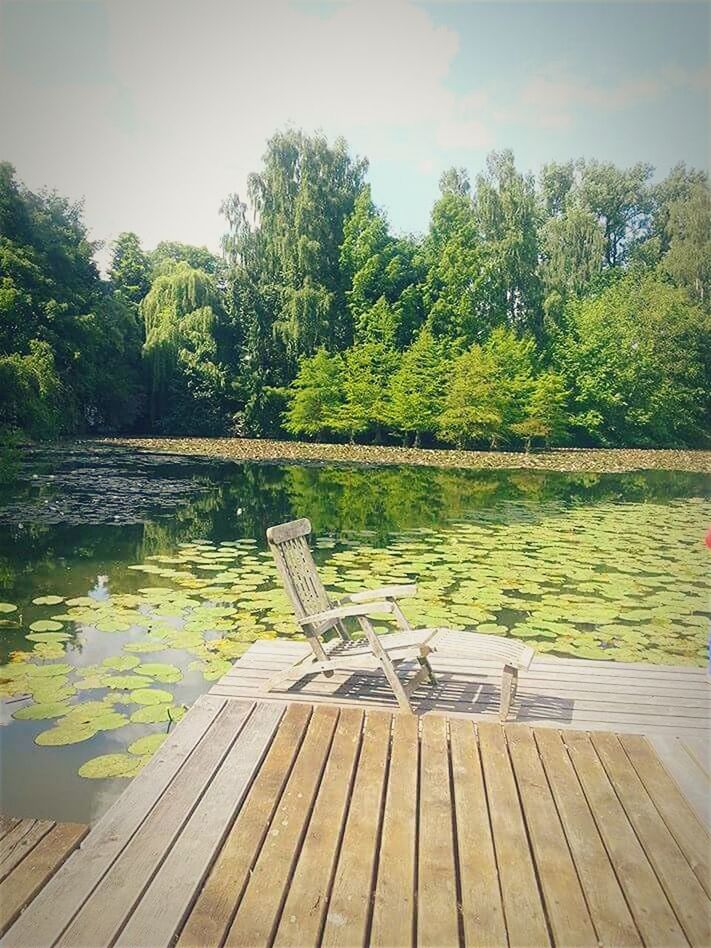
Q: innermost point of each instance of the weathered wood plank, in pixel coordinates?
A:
(348, 914)
(564, 901)
(608, 908)
(482, 910)
(23, 884)
(646, 899)
(19, 842)
(682, 887)
(690, 778)
(55, 906)
(103, 915)
(214, 909)
(437, 916)
(160, 913)
(258, 913)
(690, 834)
(305, 907)
(394, 906)
(523, 909)
(6, 824)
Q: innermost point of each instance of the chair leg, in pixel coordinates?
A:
(425, 663)
(509, 684)
(386, 664)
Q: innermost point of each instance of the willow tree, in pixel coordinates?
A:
(186, 379)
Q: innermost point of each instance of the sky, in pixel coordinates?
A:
(153, 111)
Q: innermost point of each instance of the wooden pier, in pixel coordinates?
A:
(328, 818)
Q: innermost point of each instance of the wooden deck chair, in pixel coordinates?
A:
(317, 614)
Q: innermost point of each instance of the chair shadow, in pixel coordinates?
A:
(450, 694)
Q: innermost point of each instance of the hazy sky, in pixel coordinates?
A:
(154, 110)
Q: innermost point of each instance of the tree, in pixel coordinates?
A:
(130, 269)
(636, 359)
(187, 379)
(688, 259)
(418, 386)
(506, 215)
(366, 407)
(545, 411)
(572, 249)
(316, 396)
(170, 252)
(473, 410)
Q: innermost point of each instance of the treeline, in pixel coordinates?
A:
(568, 309)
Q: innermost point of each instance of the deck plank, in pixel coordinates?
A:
(160, 913)
(104, 914)
(6, 824)
(690, 834)
(217, 902)
(26, 880)
(565, 904)
(394, 905)
(682, 887)
(689, 777)
(437, 915)
(650, 909)
(606, 902)
(57, 903)
(523, 910)
(305, 907)
(19, 842)
(348, 914)
(258, 913)
(482, 910)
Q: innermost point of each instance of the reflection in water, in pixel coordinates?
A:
(365, 520)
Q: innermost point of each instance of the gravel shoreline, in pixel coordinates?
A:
(594, 460)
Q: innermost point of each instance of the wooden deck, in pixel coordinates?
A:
(31, 851)
(261, 823)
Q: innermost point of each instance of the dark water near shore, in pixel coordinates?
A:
(162, 560)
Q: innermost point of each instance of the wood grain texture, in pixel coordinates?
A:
(682, 887)
(348, 914)
(20, 841)
(394, 905)
(482, 910)
(163, 906)
(58, 902)
(259, 911)
(523, 909)
(305, 907)
(650, 908)
(608, 909)
(26, 880)
(217, 903)
(565, 905)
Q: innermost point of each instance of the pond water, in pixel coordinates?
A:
(129, 583)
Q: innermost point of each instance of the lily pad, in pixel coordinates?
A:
(7, 607)
(158, 671)
(157, 714)
(147, 745)
(150, 696)
(41, 712)
(69, 732)
(46, 625)
(48, 600)
(111, 766)
(120, 662)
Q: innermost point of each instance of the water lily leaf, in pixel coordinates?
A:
(48, 671)
(149, 696)
(124, 682)
(46, 625)
(66, 733)
(91, 682)
(157, 714)
(144, 647)
(40, 712)
(120, 662)
(82, 601)
(48, 600)
(167, 674)
(147, 745)
(48, 636)
(7, 607)
(111, 766)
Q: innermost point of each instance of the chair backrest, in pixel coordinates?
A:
(298, 571)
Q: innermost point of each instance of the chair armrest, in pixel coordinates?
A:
(385, 592)
(342, 612)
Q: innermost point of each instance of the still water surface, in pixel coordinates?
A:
(164, 579)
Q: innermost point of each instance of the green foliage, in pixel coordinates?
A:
(636, 358)
(572, 309)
